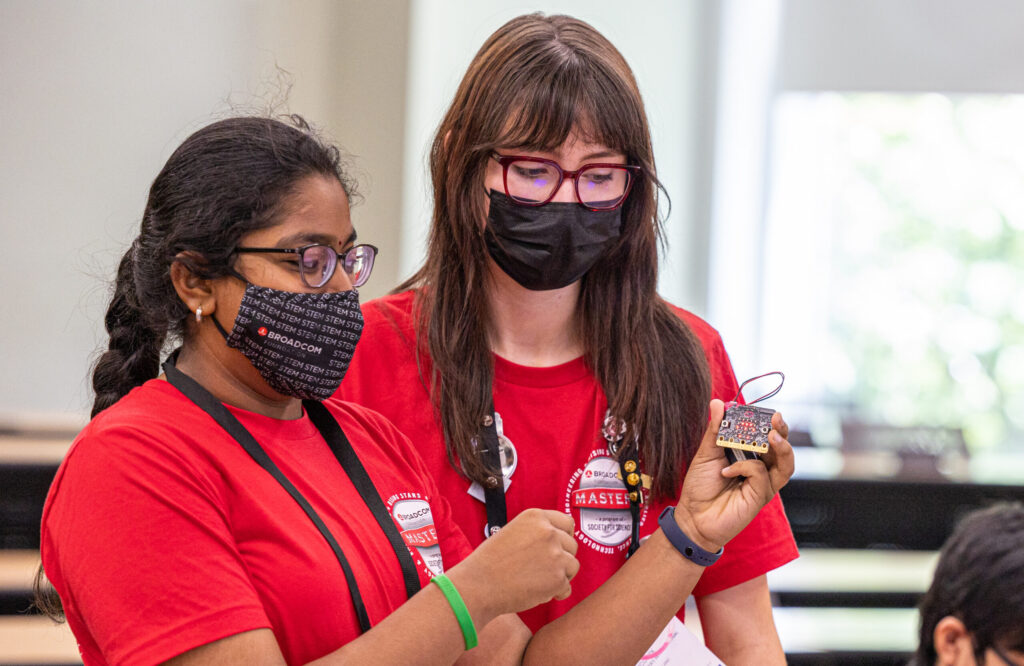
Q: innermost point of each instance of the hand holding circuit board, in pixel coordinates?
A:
(744, 429)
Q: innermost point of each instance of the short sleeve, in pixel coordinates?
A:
(765, 544)
(135, 540)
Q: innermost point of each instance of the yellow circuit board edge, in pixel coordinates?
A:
(744, 446)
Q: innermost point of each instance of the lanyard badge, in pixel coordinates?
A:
(499, 453)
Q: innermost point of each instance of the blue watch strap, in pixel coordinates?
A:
(683, 543)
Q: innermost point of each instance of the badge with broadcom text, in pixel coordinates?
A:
(598, 500)
(415, 521)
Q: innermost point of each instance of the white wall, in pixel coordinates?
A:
(903, 45)
(95, 96)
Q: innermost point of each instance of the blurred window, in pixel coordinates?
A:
(895, 233)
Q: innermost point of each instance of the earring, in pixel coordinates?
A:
(199, 314)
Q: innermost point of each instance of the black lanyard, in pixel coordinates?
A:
(494, 489)
(629, 470)
(343, 451)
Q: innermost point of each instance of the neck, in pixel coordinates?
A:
(233, 383)
(532, 328)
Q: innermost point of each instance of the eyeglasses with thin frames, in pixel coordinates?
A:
(534, 181)
(317, 262)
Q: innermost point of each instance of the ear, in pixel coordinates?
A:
(194, 291)
(954, 644)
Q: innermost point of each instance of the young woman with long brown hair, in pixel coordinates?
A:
(533, 339)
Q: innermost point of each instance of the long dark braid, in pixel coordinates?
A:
(133, 353)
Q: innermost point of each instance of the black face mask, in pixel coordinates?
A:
(301, 343)
(550, 246)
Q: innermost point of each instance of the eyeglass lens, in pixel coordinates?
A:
(318, 263)
(358, 263)
(598, 186)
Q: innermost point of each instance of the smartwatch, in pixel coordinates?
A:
(683, 543)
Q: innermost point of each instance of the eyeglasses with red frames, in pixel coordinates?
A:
(533, 181)
(317, 262)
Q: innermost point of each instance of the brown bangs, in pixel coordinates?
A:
(562, 94)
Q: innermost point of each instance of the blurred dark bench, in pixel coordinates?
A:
(868, 524)
(867, 553)
(27, 465)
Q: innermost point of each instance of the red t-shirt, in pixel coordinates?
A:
(161, 534)
(553, 417)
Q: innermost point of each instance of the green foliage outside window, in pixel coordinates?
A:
(928, 261)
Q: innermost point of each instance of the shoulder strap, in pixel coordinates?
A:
(209, 404)
(494, 489)
(346, 455)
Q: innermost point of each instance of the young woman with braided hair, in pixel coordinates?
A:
(533, 340)
(219, 513)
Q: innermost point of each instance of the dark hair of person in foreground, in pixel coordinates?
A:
(975, 605)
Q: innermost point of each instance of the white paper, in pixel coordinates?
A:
(677, 646)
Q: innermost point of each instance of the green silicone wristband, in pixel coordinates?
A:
(459, 608)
